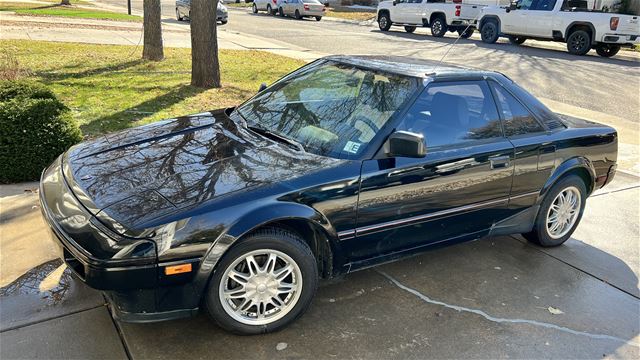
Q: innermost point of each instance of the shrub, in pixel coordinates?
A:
(35, 127)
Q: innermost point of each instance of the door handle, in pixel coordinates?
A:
(498, 162)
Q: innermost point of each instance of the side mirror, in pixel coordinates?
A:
(406, 144)
(262, 87)
(512, 6)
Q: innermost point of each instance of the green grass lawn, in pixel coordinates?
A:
(109, 87)
(23, 8)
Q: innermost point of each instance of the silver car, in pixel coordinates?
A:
(301, 8)
(183, 11)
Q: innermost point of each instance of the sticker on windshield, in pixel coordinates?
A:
(352, 147)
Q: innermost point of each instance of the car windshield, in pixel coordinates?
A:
(330, 108)
(311, 1)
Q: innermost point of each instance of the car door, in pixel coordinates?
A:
(458, 190)
(515, 21)
(540, 18)
(412, 12)
(534, 150)
(400, 11)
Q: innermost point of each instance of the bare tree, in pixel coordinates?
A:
(205, 66)
(152, 31)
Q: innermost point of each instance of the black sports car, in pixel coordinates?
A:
(342, 164)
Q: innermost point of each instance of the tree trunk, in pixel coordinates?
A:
(65, 2)
(205, 67)
(152, 49)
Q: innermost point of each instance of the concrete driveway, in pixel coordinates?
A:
(496, 297)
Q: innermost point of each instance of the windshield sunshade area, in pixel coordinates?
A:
(332, 109)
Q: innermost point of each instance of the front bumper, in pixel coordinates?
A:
(137, 287)
(621, 39)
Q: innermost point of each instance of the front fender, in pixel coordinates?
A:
(269, 213)
(579, 163)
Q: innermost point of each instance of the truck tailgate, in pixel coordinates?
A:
(629, 25)
(468, 11)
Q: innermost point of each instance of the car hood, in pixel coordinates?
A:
(129, 178)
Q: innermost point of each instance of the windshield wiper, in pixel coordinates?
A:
(277, 137)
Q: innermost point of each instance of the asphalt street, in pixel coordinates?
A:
(610, 86)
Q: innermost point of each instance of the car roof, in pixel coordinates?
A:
(404, 65)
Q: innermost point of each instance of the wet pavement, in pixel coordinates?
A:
(496, 297)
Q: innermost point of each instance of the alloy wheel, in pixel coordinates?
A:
(563, 212)
(578, 42)
(260, 287)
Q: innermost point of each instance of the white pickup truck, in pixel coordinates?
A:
(440, 15)
(560, 20)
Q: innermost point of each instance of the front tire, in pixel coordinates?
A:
(297, 15)
(254, 8)
(438, 27)
(517, 40)
(263, 283)
(384, 22)
(579, 42)
(489, 32)
(560, 212)
(269, 11)
(607, 50)
(280, 12)
(410, 29)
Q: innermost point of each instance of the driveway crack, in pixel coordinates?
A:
(425, 298)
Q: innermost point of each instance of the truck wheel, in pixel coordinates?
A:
(579, 42)
(263, 283)
(517, 40)
(489, 32)
(607, 50)
(384, 22)
(438, 27)
(410, 29)
(280, 12)
(297, 15)
(465, 33)
(560, 212)
(269, 11)
(254, 8)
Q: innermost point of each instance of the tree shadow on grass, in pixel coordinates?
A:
(124, 118)
(49, 76)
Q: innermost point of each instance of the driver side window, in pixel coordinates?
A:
(524, 4)
(453, 113)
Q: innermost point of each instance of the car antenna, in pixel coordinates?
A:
(433, 72)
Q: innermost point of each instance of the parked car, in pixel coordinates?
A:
(183, 11)
(435, 14)
(348, 162)
(270, 6)
(566, 21)
(301, 9)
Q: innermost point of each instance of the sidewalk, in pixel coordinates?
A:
(175, 34)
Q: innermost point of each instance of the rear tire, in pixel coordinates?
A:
(465, 34)
(254, 9)
(410, 29)
(489, 32)
(543, 232)
(301, 282)
(297, 15)
(607, 50)
(280, 12)
(318, 18)
(384, 22)
(269, 11)
(517, 40)
(439, 27)
(579, 42)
